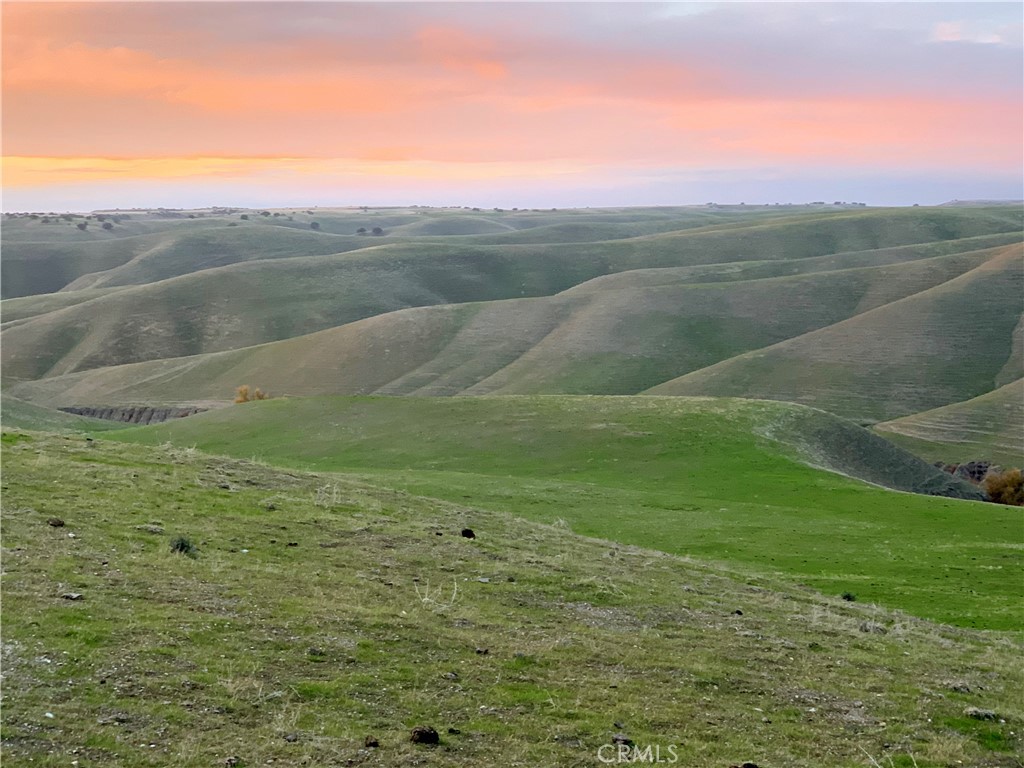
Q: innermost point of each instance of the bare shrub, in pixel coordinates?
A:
(1006, 487)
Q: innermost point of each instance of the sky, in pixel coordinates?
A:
(524, 104)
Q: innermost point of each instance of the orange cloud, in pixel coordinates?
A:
(42, 171)
(434, 97)
(460, 51)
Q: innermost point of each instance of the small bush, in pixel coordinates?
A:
(107, 225)
(314, 225)
(245, 394)
(849, 597)
(1005, 487)
(182, 545)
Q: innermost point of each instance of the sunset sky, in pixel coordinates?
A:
(508, 104)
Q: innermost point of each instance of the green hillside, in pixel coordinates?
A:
(985, 427)
(951, 343)
(319, 610)
(285, 293)
(17, 414)
(730, 481)
(618, 334)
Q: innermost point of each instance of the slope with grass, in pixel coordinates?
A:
(985, 427)
(322, 609)
(732, 481)
(951, 343)
(18, 414)
(618, 334)
(276, 298)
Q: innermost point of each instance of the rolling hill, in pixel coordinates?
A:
(946, 344)
(874, 314)
(618, 334)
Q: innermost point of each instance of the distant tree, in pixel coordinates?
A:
(46, 220)
(244, 217)
(232, 223)
(107, 225)
(100, 217)
(264, 213)
(81, 225)
(361, 231)
(314, 224)
(378, 231)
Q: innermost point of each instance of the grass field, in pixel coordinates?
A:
(322, 609)
(723, 481)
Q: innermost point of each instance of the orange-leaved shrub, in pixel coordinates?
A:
(1006, 487)
(244, 394)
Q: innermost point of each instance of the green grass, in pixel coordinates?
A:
(720, 480)
(370, 625)
(18, 414)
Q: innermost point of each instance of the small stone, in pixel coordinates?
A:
(450, 675)
(149, 528)
(232, 761)
(981, 714)
(73, 596)
(737, 612)
(482, 651)
(224, 486)
(293, 543)
(424, 734)
(454, 731)
(371, 742)
(484, 580)
(872, 628)
(467, 533)
(621, 738)
(55, 522)
(291, 738)
(314, 651)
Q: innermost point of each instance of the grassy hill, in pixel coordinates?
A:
(984, 427)
(731, 481)
(617, 334)
(321, 609)
(286, 293)
(940, 346)
(18, 414)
